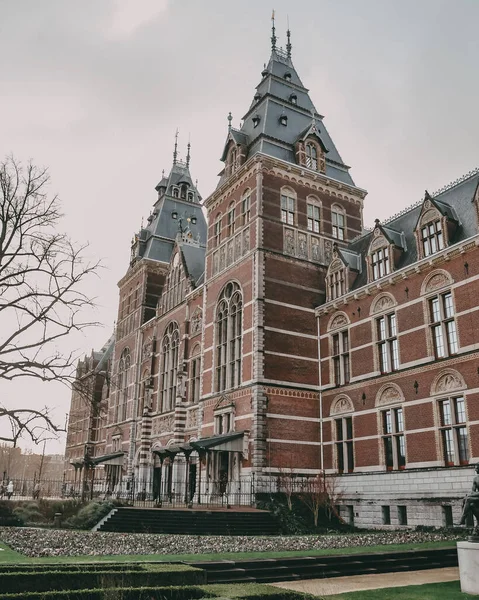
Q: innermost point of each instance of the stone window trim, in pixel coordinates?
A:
(443, 338)
(344, 443)
(224, 419)
(336, 283)
(392, 435)
(194, 390)
(246, 207)
(217, 225)
(385, 334)
(338, 222)
(228, 337)
(453, 429)
(288, 199)
(432, 231)
(313, 214)
(169, 367)
(231, 221)
(340, 353)
(380, 263)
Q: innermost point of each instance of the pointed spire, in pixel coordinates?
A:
(288, 44)
(273, 34)
(175, 152)
(188, 153)
(230, 118)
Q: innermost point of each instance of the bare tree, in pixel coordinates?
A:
(41, 299)
(320, 492)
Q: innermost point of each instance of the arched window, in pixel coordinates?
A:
(123, 367)
(287, 206)
(246, 207)
(145, 391)
(169, 367)
(311, 157)
(195, 374)
(231, 219)
(338, 221)
(314, 214)
(233, 160)
(217, 230)
(229, 328)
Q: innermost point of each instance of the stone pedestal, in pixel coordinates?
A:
(468, 554)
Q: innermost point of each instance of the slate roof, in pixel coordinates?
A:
(273, 100)
(194, 257)
(157, 239)
(455, 201)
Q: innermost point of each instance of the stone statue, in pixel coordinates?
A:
(471, 504)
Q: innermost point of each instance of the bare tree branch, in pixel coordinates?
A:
(42, 274)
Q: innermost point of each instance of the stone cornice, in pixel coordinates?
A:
(390, 280)
(141, 265)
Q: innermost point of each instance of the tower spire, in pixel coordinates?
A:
(175, 152)
(230, 118)
(288, 44)
(273, 34)
(188, 153)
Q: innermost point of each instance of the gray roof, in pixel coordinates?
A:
(273, 100)
(194, 260)
(456, 201)
(157, 239)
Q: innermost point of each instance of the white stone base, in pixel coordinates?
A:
(468, 554)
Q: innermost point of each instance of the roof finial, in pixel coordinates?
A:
(230, 118)
(188, 153)
(288, 45)
(175, 152)
(273, 34)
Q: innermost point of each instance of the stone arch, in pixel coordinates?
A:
(382, 302)
(341, 404)
(448, 380)
(339, 319)
(435, 281)
(389, 393)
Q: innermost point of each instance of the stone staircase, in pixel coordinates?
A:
(194, 522)
(318, 567)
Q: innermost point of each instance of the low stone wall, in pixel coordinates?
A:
(426, 495)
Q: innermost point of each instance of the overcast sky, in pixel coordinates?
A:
(95, 90)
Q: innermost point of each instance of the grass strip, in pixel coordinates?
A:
(450, 590)
(123, 558)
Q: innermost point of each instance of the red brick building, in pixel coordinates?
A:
(276, 334)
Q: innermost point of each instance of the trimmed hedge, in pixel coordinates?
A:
(151, 575)
(143, 593)
(101, 566)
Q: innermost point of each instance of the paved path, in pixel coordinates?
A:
(339, 585)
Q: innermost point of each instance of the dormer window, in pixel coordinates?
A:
(233, 161)
(257, 97)
(380, 263)
(283, 120)
(293, 99)
(176, 192)
(311, 157)
(256, 119)
(287, 76)
(337, 284)
(190, 196)
(432, 238)
(264, 73)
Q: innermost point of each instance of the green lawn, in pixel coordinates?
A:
(451, 590)
(9, 556)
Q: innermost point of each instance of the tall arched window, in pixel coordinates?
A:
(169, 367)
(195, 375)
(123, 367)
(311, 157)
(229, 328)
(338, 221)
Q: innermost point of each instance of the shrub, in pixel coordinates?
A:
(29, 513)
(7, 516)
(89, 515)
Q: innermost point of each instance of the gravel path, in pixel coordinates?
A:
(56, 542)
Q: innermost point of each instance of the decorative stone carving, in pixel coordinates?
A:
(222, 257)
(336, 265)
(302, 246)
(215, 263)
(238, 247)
(192, 418)
(147, 348)
(164, 424)
(436, 280)
(289, 244)
(230, 253)
(389, 394)
(315, 249)
(328, 250)
(339, 320)
(245, 240)
(383, 302)
(378, 242)
(223, 401)
(341, 404)
(196, 322)
(429, 215)
(447, 381)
